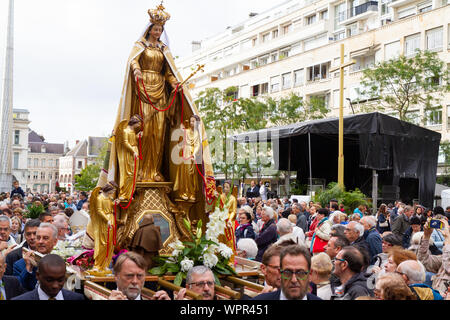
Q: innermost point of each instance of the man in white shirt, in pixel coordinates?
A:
(7, 243)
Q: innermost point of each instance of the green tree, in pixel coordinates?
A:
(88, 177)
(405, 82)
(445, 177)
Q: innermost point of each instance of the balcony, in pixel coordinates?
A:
(360, 12)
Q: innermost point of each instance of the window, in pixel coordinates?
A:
(275, 84)
(412, 44)
(42, 175)
(80, 164)
(264, 60)
(339, 15)
(16, 160)
(434, 39)
(310, 19)
(385, 9)
(50, 176)
(286, 80)
(448, 117)
(273, 56)
(265, 37)
(320, 100)
(392, 50)
(323, 15)
(338, 36)
(254, 41)
(43, 163)
(424, 6)
(352, 30)
(57, 162)
(50, 162)
(265, 88)
(35, 175)
(299, 77)
(29, 162)
(16, 136)
(407, 12)
(318, 72)
(284, 53)
(254, 64)
(287, 28)
(275, 34)
(434, 117)
(36, 163)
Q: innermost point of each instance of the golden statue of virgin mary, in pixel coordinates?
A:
(153, 89)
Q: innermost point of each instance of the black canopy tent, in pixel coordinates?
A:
(402, 153)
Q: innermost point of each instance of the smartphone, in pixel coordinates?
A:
(436, 224)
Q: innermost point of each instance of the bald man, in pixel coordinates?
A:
(51, 274)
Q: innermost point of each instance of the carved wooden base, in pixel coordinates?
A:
(153, 198)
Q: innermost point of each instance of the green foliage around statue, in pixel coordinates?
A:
(197, 251)
(350, 199)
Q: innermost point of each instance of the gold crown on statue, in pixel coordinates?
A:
(158, 15)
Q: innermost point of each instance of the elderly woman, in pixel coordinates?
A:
(268, 232)
(247, 248)
(321, 232)
(391, 286)
(321, 267)
(16, 229)
(397, 255)
(245, 228)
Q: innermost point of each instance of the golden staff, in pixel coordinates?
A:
(199, 68)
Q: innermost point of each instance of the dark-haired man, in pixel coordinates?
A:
(83, 199)
(295, 263)
(30, 242)
(348, 266)
(51, 274)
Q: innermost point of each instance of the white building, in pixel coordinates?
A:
(292, 47)
(83, 154)
(43, 163)
(20, 147)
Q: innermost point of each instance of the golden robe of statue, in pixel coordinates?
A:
(102, 219)
(155, 75)
(127, 145)
(185, 183)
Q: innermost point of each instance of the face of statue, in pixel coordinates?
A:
(156, 32)
(226, 188)
(192, 122)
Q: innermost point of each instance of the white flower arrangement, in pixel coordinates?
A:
(186, 264)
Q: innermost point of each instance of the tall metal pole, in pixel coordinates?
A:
(341, 123)
(7, 107)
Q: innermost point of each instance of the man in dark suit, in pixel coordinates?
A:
(253, 190)
(30, 243)
(51, 274)
(9, 286)
(295, 264)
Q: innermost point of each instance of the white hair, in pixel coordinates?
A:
(359, 227)
(370, 220)
(6, 218)
(417, 237)
(51, 226)
(249, 246)
(200, 269)
(269, 212)
(284, 226)
(414, 270)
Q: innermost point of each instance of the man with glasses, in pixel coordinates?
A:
(295, 264)
(129, 273)
(200, 279)
(348, 266)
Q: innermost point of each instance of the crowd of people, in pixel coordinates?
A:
(354, 255)
(306, 251)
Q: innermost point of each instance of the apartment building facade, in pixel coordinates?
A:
(291, 48)
(20, 146)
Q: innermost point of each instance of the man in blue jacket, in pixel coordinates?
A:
(83, 199)
(372, 236)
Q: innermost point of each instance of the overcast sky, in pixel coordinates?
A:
(70, 55)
